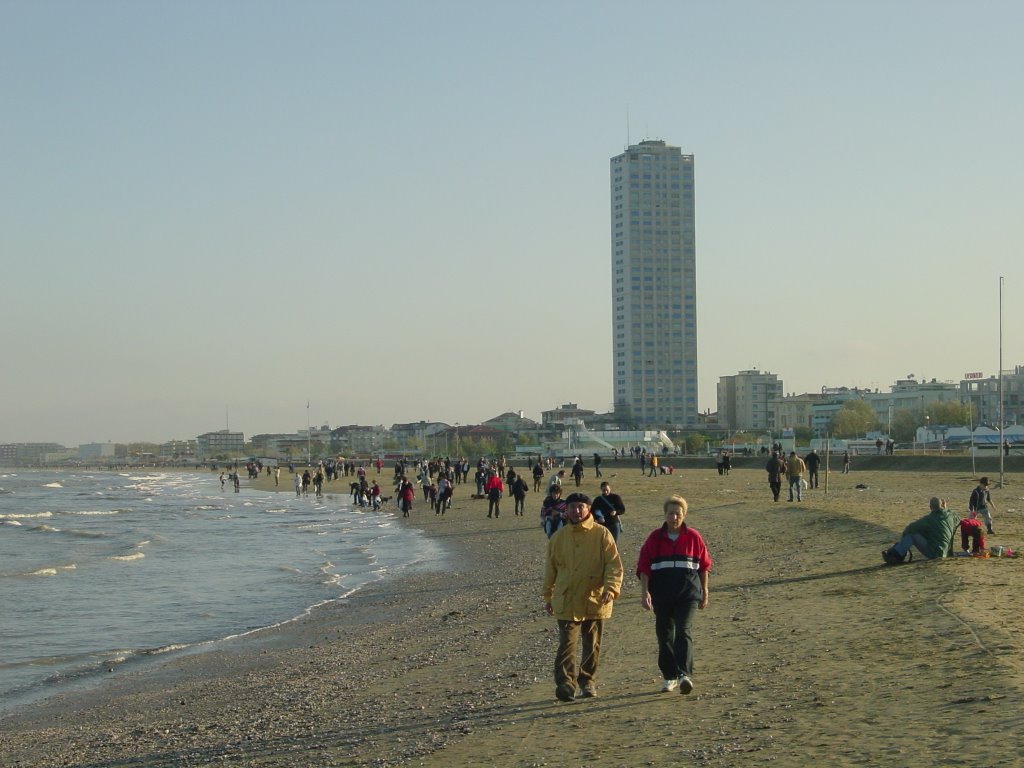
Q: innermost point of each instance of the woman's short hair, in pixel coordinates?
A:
(675, 500)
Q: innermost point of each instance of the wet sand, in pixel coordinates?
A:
(811, 651)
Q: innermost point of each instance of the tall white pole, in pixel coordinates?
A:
(1002, 419)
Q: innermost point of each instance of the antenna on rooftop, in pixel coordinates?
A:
(627, 126)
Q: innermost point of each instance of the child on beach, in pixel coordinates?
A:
(970, 531)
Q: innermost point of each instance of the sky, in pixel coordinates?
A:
(259, 215)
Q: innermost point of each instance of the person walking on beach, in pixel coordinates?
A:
(538, 476)
(298, 483)
(980, 502)
(776, 469)
(673, 571)
(277, 476)
(654, 464)
(813, 461)
(222, 481)
(582, 578)
(518, 488)
(556, 479)
(495, 489)
(795, 469)
(846, 462)
(597, 465)
(552, 511)
(406, 494)
(607, 507)
(577, 470)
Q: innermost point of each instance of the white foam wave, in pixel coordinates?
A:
(25, 515)
(52, 485)
(95, 512)
(126, 558)
(44, 572)
(9, 522)
(44, 528)
(166, 649)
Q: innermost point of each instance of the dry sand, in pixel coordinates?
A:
(810, 652)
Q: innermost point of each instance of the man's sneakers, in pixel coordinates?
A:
(892, 557)
(565, 692)
(589, 691)
(684, 684)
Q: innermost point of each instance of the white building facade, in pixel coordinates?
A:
(745, 400)
(654, 286)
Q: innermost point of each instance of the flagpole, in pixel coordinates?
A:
(1002, 417)
(309, 449)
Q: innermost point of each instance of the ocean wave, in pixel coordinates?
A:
(9, 522)
(86, 534)
(95, 512)
(44, 528)
(166, 649)
(24, 515)
(127, 558)
(52, 485)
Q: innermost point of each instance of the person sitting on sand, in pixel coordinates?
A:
(931, 535)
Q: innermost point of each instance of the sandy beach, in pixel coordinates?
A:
(811, 651)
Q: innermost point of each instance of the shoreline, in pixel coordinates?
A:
(808, 641)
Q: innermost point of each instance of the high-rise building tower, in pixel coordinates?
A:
(654, 286)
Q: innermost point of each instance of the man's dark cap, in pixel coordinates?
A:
(578, 498)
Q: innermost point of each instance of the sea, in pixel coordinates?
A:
(102, 571)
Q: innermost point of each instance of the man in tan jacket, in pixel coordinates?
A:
(795, 469)
(582, 578)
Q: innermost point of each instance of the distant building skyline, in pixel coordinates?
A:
(654, 286)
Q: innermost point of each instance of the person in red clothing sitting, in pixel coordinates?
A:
(673, 570)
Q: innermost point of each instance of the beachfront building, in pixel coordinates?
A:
(565, 414)
(794, 411)
(744, 399)
(94, 451)
(830, 404)
(178, 449)
(221, 444)
(983, 394)
(512, 422)
(283, 445)
(357, 440)
(415, 435)
(910, 394)
(654, 287)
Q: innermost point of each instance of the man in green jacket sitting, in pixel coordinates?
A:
(931, 535)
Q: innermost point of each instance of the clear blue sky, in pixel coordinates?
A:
(399, 210)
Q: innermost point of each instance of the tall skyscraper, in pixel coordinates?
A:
(654, 286)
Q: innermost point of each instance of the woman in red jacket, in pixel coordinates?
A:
(673, 570)
(406, 493)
